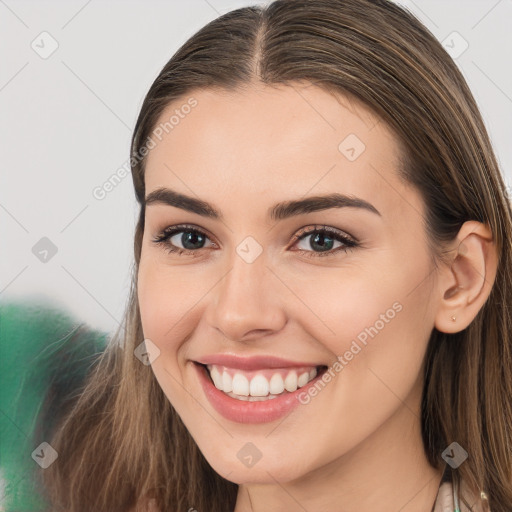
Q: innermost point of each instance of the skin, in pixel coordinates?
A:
(242, 152)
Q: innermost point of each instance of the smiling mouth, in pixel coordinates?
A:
(263, 384)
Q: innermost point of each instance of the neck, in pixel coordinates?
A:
(388, 471)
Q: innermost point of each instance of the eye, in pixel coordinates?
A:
(192, 239)
(323, 238)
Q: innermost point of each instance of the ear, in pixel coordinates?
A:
(466, 283)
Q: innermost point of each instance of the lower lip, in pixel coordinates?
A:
(243, 411)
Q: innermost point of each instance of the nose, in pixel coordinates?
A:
(246, 304)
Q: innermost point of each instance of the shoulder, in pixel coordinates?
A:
(446, 500)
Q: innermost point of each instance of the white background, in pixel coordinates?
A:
(66, 123)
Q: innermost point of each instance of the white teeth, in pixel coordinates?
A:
(240, 384)
(290, 382)
(227, 382)
(276, 384)
(259, 386)
(303, 379)
(216, 377)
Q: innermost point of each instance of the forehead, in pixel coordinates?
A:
(273, 142)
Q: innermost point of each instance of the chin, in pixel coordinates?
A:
(267, 470)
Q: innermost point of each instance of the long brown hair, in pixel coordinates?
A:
(124, 441)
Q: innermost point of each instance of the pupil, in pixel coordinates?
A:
(323, 246)
(193, 239)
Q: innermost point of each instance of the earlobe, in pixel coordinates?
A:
(465, 285)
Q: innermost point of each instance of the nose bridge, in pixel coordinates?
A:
(246, 298)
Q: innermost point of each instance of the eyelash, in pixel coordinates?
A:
(348, 243)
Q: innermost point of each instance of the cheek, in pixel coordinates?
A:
(161, 309)
(166, 303)
(151, 306)
(343, 304)
(375, 322)
(379, 338)
(378, 293)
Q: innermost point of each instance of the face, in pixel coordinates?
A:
(235, 290)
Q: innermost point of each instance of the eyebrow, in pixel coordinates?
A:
(279, 211)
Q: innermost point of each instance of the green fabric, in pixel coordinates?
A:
(44, 356)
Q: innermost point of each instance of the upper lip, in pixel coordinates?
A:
(258, 362)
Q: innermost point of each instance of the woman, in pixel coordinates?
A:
(320, 307)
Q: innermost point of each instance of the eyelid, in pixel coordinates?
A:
(313, 228)
(166, 233)
(182, 227)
